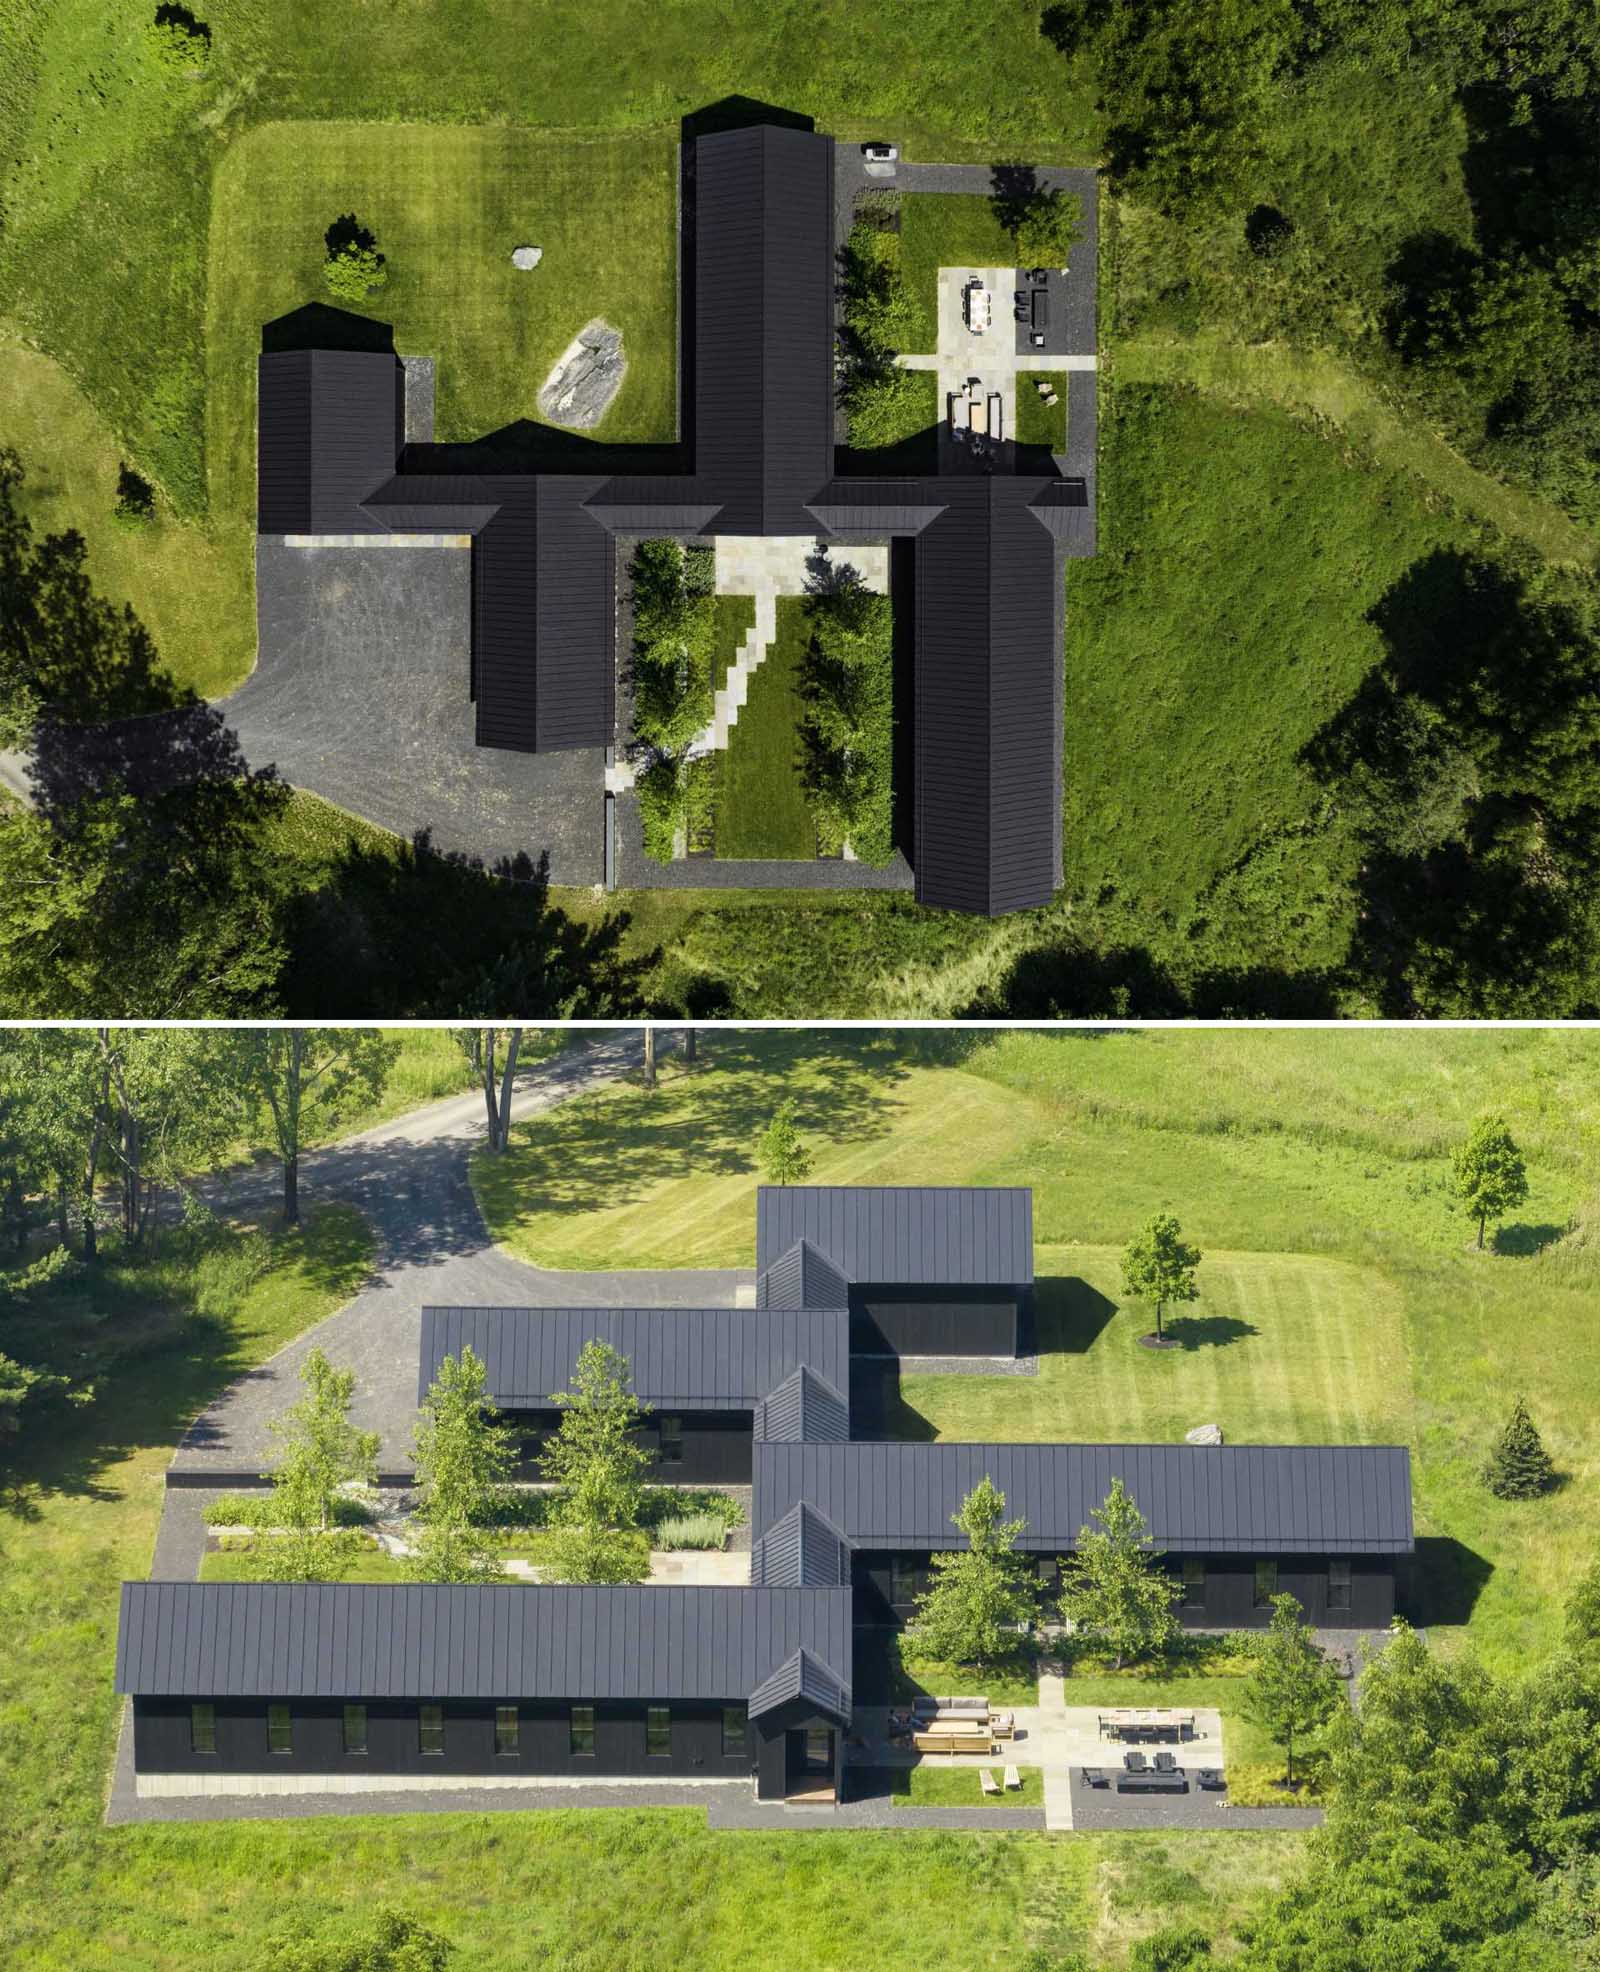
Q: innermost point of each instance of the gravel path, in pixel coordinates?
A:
(409, 1178)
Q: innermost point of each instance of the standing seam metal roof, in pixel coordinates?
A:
(1245, 1499)
(964, 1235)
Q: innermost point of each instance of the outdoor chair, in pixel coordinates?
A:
(1211, 1779)
(1135, 1762)
(1166, 1763)
(1095, 1777)
(987, 1781)
(1039, 276)
(1013, 1778)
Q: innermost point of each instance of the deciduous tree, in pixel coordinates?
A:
(320, 1450)
(1112, 1590)
(302, 1076)
(1488, 1173)
(463, 1454)
(597, 1462)
(981, 1600)
(1158, 1266)
(784, 1157)
(1292, 1688)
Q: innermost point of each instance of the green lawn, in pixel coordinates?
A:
(1341, 1295)
(1039, 423)
(761, 807)
(945, 229)
(733, 616)
(929, 1786)
(447, 205)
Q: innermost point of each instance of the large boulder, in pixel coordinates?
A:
(579, 390)
(1204, 1434)
(526, 257)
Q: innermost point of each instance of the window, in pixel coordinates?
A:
(280, 1732)
(1266, 1582)
(1194, 1582)
(1338, 1585)
(505, 1731)
(583, 1731)
(355, 1728)
(430, 1729)
(202, 1728)
(657, 1732)
(734, 1728)
(902, 1581)
(819, 1749)
(672, 1441)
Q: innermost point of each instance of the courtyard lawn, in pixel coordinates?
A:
(1039, 423)
(733, 617)
(929, 1786)
(761, 807)
(946, 229)
(447, 206)
(193, 593)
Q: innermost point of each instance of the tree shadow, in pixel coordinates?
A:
(1427, 281)
(147, 757)
(1069, 1316)
(1447, 1578)
(1014, 191)
(347, 232)
(1208, 1331)
(318, 325)
(1524, 1241)
(608, 1153)
(1070, 982)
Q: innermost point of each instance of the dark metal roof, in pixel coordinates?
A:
(1065, 507)
(986, 732)
(1245, 1499)
(331, 424)
(802, 1278)
(444, 503)
(807, 1678)
(958, 1235)
(804, 1406)
(763, 315)
(877, 506)
(347, 1640)
(803, 1550)
(663, 504)
(700, 1358)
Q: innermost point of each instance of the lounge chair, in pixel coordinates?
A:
(1210, 1778)
(987, 1781)
(1013, 1778)
(1166, 1763)
(1094, 1777)
(1003, 1724)
(1135, 1762)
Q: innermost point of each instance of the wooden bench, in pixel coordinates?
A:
(970, 1738)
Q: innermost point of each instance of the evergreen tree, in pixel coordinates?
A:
(1111, 1589)
(596, 1461)
(1292, 1688)
(979, 1596)
(1488, 1173)
(1519, 1467)
(321, 1449)
(784, 1157)
(1157, 1266)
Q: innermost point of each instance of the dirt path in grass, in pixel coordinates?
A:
(1308, 382)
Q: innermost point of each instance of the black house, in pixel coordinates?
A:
(270, 1687)
(986, 552)
(927, 1270)
(711, 1376)
(1238, 1524)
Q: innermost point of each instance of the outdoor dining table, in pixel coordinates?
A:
(1137, 1721)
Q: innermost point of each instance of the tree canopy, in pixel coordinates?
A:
(1113, 1592)
(1158, 1266)
(598, 1464)
(1488, 1172)
(982, 1599)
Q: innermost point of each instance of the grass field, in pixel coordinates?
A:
(1340, 1293)
(945, 229)
(1039, 423)
(928, 1786)
(761, 807)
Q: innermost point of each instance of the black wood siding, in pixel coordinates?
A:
(161, 1741)
(934, 1321)
(1229, 1591)
(716, 1445)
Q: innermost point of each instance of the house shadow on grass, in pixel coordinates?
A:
(1447, 1577)
(319, 326)
(1068, 1316)
(878, 1409)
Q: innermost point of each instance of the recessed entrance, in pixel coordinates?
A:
(809, 1765)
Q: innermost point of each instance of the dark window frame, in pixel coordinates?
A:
(1194, 1581)
(1340, 1595)
(507, 1732)
(203, 1729)
(581, 1728)
(657, 1725)
(355, 1742)
(735, 1731)
(669, 1439)
(280, 1725)
(1266, 1584)
(430, 1726)
(903, 1591)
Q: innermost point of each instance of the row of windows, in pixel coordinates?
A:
(507, 1730)
(908, 1579)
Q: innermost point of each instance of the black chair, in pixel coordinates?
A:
(1094, 1777)
(1039, 276)
(1211, 1779)
(1166, 1763)
(1135, 1762)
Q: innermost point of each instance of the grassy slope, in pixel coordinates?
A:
(1341, 1293)
(761, 807)
(191, 592)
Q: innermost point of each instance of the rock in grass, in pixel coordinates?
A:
(526, 257)
(579, 390)
(1204, 1434)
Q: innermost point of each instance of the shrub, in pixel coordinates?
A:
(1171, 1949)
(699, 570)
(262, 1510)
(674, 795)
(1519, 1467)
(884, 406)
(136, 499)
(875, 302)
(353, 272)
(176, 43)
(659, 1503)
(847, 729)
(690, 1530)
